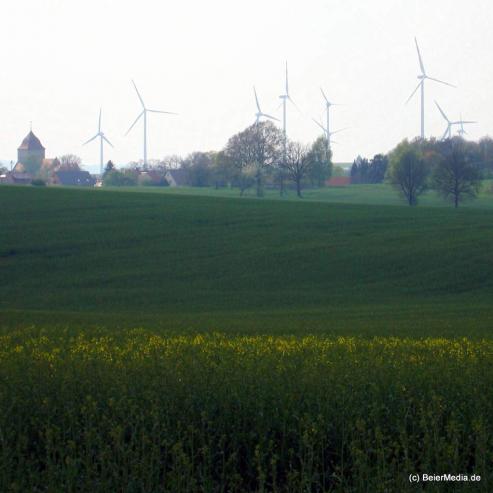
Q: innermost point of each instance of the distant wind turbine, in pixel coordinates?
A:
(260, 113)
(326, 129)
(102, 139)
(450, 124)
(285, 98)
(145, 110)
(328, 135)
(423, 76)
(461, 124)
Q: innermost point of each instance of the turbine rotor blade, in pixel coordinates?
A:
(325, 97)
(91, 139)
(107, 141)
(440, 81)
(442, 112)
(133, 124)
(269, 116)
(340, 130)
(414, 92)
(447, 130)
(164, 112)
(256, 100)
(421, 64)
(295, 105)
(138, 94)
(320, 125)
(99, 126)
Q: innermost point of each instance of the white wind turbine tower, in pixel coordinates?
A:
(450, 124)
(423, 76)
(260, 113)
(145, 110)
(102, 139)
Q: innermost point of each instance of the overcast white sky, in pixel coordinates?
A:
(61, 60)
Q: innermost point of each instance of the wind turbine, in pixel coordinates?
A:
(285, 98)
(448, 130)
(145, 110)
(450, 124)
(327, 131)
(328, 134)
(423, 76)
(260, 113)
(461, 123)
(102, 139)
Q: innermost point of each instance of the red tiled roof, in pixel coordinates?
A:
(339, 181)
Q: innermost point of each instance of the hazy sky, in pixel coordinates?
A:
(62, 59)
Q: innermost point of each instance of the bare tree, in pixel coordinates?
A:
(69, 162)
(260, 146)
(297, 163)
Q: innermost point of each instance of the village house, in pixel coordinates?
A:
(176, 177)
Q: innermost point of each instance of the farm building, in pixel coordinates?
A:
(339, 181)
(176, 177)
(16, 178)
(74, 178)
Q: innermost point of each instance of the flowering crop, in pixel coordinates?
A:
(137, 410)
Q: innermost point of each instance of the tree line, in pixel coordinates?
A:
(255, 158)
(454, 168)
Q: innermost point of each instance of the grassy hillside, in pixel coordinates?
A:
(176, 261)
(174, 343)
(381, 194)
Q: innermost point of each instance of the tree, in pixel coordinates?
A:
(199, 168)
(223, 171)
(360, 170)
(297, 163)
(457, 176)
(408, 171)
(369, 171)
(260, 146)
(69, 162)
(320, 156)
(173, 161)
(485, 146)
(378, 168)
(123, 178)
(108, 168)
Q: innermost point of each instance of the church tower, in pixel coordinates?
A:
(31, 153)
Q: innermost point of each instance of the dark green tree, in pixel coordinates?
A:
(320, 157)
(408, 171)
(198, 166)
(258, 146)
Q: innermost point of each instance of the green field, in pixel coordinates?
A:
(382, 194)
(175, 342)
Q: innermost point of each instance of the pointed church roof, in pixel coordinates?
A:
(31, 143)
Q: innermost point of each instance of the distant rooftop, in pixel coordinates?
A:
(31, 143)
